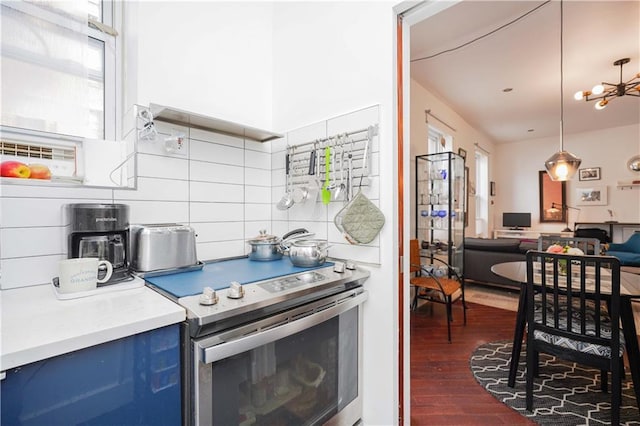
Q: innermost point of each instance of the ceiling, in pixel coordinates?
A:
(525, 56)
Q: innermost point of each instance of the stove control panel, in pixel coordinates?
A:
(286, 283)
(208, 297)
(235, 290)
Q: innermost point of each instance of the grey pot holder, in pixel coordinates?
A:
(360, 220)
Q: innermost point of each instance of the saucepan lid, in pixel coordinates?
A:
(265, 238)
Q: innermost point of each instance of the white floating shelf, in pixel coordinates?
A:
(190, 119)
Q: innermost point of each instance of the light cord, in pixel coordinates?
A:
(482, 36)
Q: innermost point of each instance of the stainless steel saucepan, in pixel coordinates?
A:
(308, 253)
(266, 247)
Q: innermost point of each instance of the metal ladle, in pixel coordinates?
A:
(287, 199)
(341, 187)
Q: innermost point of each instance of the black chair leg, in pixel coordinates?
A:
(531, 366)
(464, 310)
(616, 392)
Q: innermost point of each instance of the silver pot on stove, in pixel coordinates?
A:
(308, 253)
(267, 247)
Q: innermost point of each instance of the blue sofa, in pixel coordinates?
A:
(628, 252)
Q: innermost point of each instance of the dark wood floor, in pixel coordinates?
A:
(443, 390)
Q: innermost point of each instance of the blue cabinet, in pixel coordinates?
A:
(131, 381)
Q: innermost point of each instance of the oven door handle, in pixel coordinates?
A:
(242, 344)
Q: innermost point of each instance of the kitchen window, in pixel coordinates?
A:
(59, 67)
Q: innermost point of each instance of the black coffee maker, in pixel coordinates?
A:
(102, 231)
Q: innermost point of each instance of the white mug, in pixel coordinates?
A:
(81, 274)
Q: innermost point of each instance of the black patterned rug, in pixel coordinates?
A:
(565, 393)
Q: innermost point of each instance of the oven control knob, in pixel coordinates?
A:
(235, 290)
(208, 296)
(350, 265)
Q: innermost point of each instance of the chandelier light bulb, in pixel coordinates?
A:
(598, 89)
(604, 92)
(562, 171)
(602, 104)
(579, 95)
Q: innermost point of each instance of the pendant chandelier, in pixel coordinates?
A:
(604, 94)
(562, 165)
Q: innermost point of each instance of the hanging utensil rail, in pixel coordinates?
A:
(355, 145)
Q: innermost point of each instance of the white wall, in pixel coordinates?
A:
(464, 136)
(332, 58)
(517, 165)
(281, 66)
(213, 58)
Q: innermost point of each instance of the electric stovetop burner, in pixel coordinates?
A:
(240, 287)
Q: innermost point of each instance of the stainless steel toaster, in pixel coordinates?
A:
(162, 246)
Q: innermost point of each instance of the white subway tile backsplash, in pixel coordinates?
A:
(218, 231)
(163, 167)
(278, 145)
(35, 212)
(277, 214)
(211, 251)
(309, 211)
(258, 177)
(217, 153)
(216, 192)
(257, 212)
(25, 242)
(252, 229)
(156, 189)
(257, 160)
(216, 212)
(279, 227)
(257, 146)
(278, 179)
(214, 172)
(158, 211)
(27, 271)
(225, 187)
(257, 194)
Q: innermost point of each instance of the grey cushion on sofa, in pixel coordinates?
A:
(480, 254)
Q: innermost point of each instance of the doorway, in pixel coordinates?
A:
(407, 15)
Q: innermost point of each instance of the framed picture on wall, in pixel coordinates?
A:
(492, 188)
(591, 173)
(462, 153)
(595, 195)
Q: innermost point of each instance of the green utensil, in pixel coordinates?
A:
(326, 194)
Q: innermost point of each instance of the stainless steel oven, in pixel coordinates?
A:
(302, 366)
(285, 350)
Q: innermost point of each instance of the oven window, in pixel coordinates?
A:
(305, 378)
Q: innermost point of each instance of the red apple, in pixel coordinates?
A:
(39, 171)
(14, 169)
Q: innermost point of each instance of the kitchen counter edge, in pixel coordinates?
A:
(35, 325)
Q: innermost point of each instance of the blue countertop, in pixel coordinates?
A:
(218, 275)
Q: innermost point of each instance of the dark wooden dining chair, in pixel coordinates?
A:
(446, 289)
(575, 316)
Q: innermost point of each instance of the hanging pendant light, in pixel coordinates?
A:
(562, 165)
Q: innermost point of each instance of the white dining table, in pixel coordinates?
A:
(629, 290)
